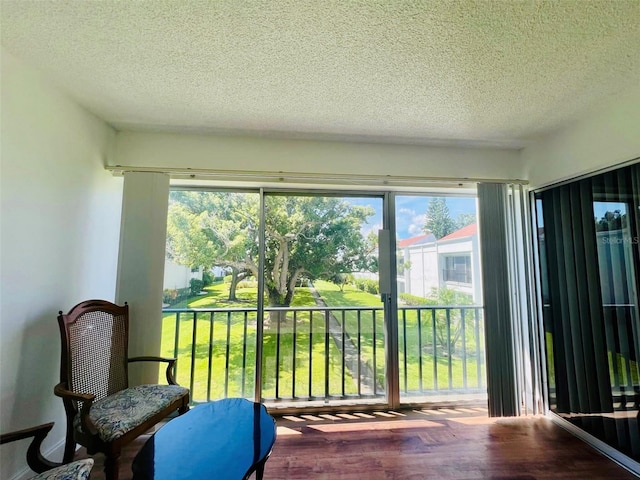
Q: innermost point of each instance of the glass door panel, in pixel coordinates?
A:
(588, 239)
(440, 323)
(323, 325)
(210, 292)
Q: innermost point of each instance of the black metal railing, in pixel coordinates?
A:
(324, 353)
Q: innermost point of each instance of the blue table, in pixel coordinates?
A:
(226, 439)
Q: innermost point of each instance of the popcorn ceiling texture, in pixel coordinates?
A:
(494, 72)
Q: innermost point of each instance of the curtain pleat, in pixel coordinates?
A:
(580, 353)
(497, 306)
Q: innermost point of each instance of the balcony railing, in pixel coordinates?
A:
(325, 353)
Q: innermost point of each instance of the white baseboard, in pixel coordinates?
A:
(55, 454)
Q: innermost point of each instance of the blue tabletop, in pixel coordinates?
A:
(225, 439)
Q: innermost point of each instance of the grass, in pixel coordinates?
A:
(628, 370)
(370, 323)
(225, 345)
(427, 364)
(238, 375)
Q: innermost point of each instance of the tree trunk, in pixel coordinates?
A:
(234, 285)
(276, 299)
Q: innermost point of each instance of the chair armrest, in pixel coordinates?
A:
(35, 460)
(86, 399)
(169, 361)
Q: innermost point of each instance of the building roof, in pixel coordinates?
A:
(417, 240)
(464, 232)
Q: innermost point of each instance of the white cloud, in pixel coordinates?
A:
(416, 225)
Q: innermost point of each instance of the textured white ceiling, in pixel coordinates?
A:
(494, 72)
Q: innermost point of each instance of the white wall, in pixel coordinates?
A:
(268, 154)
(606, 135)
(59, 233)
(422, 275)
(178, 276)
(141, 266)
(175, 276)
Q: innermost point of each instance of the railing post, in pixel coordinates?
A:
(434, 338)
(244, 352)
(294, 355)
(279, 317)
(449, 363)
(375, 368)
(464, 347)
(210, 363)
(404, 348)
(310, 354)
(419, 320)
(193, 350)
(359, 352)
(344, 350)
(478, 355)
(226, 363)
(176, 345)
(326, 355)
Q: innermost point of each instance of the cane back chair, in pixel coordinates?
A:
(78, 470)
(103, 412)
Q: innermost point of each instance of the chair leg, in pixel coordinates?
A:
(69, 444)
(111, 467)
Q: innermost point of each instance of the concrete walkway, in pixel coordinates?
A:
(350, 350)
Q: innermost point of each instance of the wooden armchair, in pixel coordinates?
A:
(103, 412)
(78, 470)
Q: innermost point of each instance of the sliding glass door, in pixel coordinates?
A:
(290, 297)
(210, 291)
(439, 296)
(323, 323)
(589, 254)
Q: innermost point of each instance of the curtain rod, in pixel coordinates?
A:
(299, 177)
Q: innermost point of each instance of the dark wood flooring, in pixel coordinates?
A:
(422, 444)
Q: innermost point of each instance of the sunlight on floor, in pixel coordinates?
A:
(379, 425)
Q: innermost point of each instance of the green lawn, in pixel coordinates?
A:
(222, 334)
(212, 331)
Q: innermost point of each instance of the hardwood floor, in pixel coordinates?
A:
(422, 444)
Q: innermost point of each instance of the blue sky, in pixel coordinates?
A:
(599, 209)
(410, 212)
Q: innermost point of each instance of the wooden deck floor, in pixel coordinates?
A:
(423, 444)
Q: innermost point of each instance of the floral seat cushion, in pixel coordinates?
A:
(78, 470)
(121, 412)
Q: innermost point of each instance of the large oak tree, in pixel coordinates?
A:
(306, 237)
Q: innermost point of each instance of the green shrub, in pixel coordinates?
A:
(249, 282)
(412, 300)
(171, 296)
(207, 278)
(369, 286)
(196, 286)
